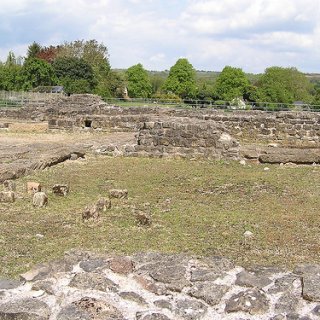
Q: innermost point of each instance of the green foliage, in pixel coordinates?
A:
(75, 85)
(138, 82)
(167, 97)
(33, 50)
(316, 99)
(157, 81)
(36, 72)
(111, 86)
(92, 52)
(77, 70)
(10, 74)
(231, 83)
(10, 77)
(284, 85)
(181, 80)
(11, 60)
(252, 93)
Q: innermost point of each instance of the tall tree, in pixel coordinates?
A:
(111, 86)
(11, 60)
(231, 83)
(94, 53)
(138, 81)
(181, 79)
(284, 85)
(10, 77)
(75, 74)
(36, 72)
(48, 54)
(33, 50)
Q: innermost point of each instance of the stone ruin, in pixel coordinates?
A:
(272, 137)
(156, 286)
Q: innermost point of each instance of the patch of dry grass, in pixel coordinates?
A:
(199, 207)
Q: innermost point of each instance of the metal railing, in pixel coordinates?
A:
(214, 104)
(20, 98)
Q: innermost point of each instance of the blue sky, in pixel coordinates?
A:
(250, 34)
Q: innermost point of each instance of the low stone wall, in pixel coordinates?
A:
(286, 128)
(187, 139)
(182, 132)
(154, 286)
(83, 111)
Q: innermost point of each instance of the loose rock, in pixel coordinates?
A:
(7, 196)
(118, 193)
(60, 190)
(9, 185)
(40, 199)
(33, 187)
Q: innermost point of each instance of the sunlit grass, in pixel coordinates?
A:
(198, 207)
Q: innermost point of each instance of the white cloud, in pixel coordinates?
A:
(251, 34)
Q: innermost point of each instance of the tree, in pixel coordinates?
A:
(92, 52)
(48, 54)
(181, 80)
(284, 85)
(10, 77)
(111, 86)
(69, 70)
(36, 72)
(11, 60)
(138, 82)
(231, 83)
(33, 50)
(157, 81)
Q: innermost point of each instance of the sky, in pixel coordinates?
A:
(248, 34)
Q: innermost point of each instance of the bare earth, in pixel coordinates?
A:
(29, 146)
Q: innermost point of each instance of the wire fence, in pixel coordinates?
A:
(20, 98)
(215, 104)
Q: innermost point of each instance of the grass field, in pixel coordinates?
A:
(198, 207)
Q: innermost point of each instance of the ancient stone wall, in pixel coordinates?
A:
(293, 129)
(155, 286)
(181, 137)
(286, 128)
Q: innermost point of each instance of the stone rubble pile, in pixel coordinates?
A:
(154, 286)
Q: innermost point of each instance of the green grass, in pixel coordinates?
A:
(197, 207)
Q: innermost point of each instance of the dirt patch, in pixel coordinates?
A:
(24, 151)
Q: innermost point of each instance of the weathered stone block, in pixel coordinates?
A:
(7, 196)
(33, 187)
(40, 199)
(60, 190)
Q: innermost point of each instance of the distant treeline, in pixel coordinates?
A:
(83, 67)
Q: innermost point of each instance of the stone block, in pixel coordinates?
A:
(33, 187)
(7, 196)
(40, 199)
(60, 190)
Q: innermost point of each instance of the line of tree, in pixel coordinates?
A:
(83, 67)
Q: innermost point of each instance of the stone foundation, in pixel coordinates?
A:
(153, 286)
(185, 133)
(186, 138)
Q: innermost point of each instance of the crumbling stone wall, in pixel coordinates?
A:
(186, 138)
(300, 129)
